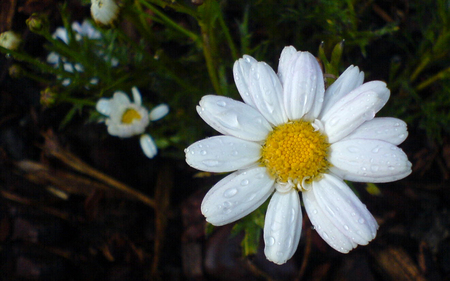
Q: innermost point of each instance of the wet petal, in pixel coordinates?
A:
(354, 109)
(148, 146)
(282, 226)
(121, 98)
(349, 80)
(387, 129)
(266, 90)
(237, 195)
(324, 226)
(344, 209)
(368, 161)
(159, 112)
(285, 59)
(136, 96)
(235, 118)
(222, 154)
(103, 106)
(241, 73)
(302, 83)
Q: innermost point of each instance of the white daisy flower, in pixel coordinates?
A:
(127, 119)
(104, 12)
(10, 40)
(291, 135)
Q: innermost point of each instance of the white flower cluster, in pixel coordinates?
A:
(81, 30)
(126, 118)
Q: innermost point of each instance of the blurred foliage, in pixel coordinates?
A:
(175, 52)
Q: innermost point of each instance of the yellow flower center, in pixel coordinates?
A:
(295, 152)
(130, 115)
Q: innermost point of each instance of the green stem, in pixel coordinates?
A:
(175, 5)
(207, 51)
(171, 23)
(441, 75)
(426, 60)
(226, 31)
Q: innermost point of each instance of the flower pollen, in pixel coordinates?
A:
(295, 152)
(130, 115)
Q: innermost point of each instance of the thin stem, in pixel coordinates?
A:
(226, 31)
(441, 75)
(171, 23)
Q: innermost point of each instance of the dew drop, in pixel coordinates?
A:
(314, 211)
(252, 196)
(234, 152)
(244, 182)
(334, 121)
(279, 254)
(391, 168)
(376, 149)
(211, 163)
(346, 227)
(227, 204)
(325, 235)
(361, 220)
(203, 152)
(352, 149)
(221, 103)
(374, 168)
(230, 192)
(270, 241)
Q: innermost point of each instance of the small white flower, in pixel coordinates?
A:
(127, 119)
(104, 12)
(291, 135)
(10, 40)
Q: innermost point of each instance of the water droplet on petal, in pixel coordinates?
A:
(221, 103)
(374, 168)
(203, 152)
(244, 182)
(270, 241)
(376, 149)
(361, 220)
(346, 227)
(234, 152)
(230, 192)
(211, 163)
(314, 211)
(352, 149)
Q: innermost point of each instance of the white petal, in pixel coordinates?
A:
(159, 112)
(136, 96)
(237, 195)
(53, 58)
(344, 209)
(378, 87)
(349, 80)
(282, 226)
(148, 146)
(285, 58)
(241, 73)
(121, 98)
(61, 33)
(354, 109)
(387, 129)
(103, 106)
(302, 82)
(324, 226)
(266, 90)
(222, 154)
(235, 118)
(368, 161)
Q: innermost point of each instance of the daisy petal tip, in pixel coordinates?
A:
(148, 146)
